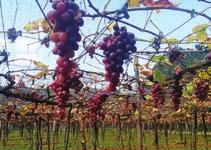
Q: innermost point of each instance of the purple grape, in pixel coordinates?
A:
(133, 41)
(73, 6)
(119, 69)
(65, 16)
(120, 44)
(71, 30)
(113, 55)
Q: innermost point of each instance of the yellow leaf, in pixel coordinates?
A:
(204, 74)
(10, 103)
(209, 46)
(36, 24)
(201, 36)
(201, 27)
(133, 3)
(136, 113)
(110, 26)
(44, 24)
(42, 73)
(148, 97)
(40, 65)
(28, 27)
(191, 38)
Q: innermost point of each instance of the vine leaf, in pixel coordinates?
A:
(109, 26)
(191, 38)
(188, 89)
(161, 58)
(40, 65)
(199, 33)
(158, 3)
(133, 3)
(44, 70)
(201, 36)
(205, 74)
(148, 96)
(170, 41)
(159, 76)
(36, 24)
(201, 27)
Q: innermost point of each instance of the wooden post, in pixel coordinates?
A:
(120, 132)
(68, 129)
(205, 129)
(1, 129)
(166, 127)
(156, 138)
(48, 132)
(83, 136)
(95, 135)
(195, 130)
(139, 109)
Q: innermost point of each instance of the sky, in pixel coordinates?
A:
(28, 11)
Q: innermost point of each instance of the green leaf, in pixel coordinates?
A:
(170, 41)
(159, 76)
(161, 58)
(201, 36)
(28, 27)
(148, 96)
(201, 27)
(148, 83)
(188, 89)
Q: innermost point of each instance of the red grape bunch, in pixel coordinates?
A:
(94, 105)
(176, 94)
(201, 90)
(67, 78)
(66, 18)
(158, 97)
(116, 47)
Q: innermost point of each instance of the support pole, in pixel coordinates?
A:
(139, 109)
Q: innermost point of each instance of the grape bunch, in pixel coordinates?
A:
(66, 18)
(141, 90)
(176, 94)
(201, 90)
(158, 97)
(67, 78)
(94, 105)
(116, 47)
(174, 55)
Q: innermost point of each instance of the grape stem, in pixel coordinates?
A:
(105, 15)
(205, 1)
(163, 8)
